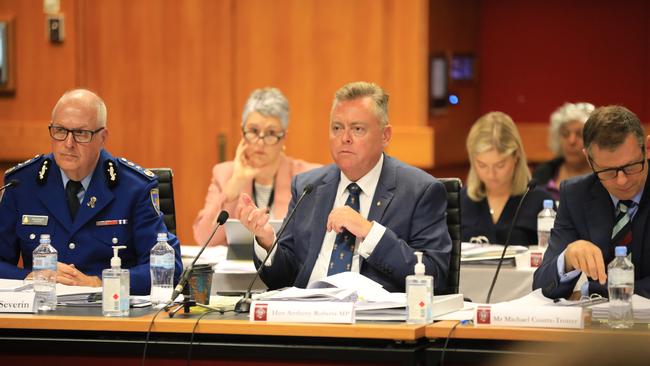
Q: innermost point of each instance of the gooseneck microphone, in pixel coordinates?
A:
(531, 185)
(223, 216)
(244, 305)
(11, 183)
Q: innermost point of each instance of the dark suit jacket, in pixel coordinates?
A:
(476, 218)
(586, 212)
(413, 210)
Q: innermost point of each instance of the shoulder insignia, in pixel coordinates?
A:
(155, 200)
(137, 168)
(19, 166)
(149, 173)
(44, 171)
(111, 173)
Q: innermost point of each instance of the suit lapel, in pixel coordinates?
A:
(639, 227)
(385, 190)
(600, 225)
(322, 204)
(53, 197)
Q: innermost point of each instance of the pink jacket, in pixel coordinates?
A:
(215, 199)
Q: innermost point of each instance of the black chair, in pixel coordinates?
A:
(453, 185)
(166, 187)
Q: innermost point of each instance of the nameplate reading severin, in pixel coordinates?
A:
(17, 302)
(529, 316)
(302, 312)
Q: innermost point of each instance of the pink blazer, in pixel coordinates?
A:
(215, 199)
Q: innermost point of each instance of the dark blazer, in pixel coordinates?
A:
(586, 212)
(121, 209)
(410, 203)
(477, 221)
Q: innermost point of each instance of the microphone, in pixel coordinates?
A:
(12, 183)
(531, 185)
(223, 216)
(244, 305)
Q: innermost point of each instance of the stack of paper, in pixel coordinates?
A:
(490, 253)
(640, 307)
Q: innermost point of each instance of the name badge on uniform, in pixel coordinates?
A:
(35, 220)
(112, 222)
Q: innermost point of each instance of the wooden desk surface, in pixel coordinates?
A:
(441, 330)
(212, 324)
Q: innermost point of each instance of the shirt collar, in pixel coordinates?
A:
(636, 198)
(84, 182)
(368, 182)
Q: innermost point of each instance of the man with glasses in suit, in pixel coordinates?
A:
(85, 199)
(602, 210)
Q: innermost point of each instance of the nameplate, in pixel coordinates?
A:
(529, 316)
(302, 312)
(17, 302)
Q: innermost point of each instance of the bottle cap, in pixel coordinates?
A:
(45, 238)
(419, 266)
(548, 204)
(116, 261)
(162, 237)
(620, 251)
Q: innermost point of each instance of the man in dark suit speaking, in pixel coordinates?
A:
(367, 213)
(602, 210)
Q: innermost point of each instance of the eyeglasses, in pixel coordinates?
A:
(80, 136)
(611, 173)
(268, 137)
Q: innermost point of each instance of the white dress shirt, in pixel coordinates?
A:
(363, 248)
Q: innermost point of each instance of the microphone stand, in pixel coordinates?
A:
(244, 305)
(181, 288)
(531, 185)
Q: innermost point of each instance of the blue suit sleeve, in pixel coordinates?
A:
(147, 224)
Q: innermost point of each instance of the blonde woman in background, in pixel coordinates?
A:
(260, 169)
(565, 141)
(497, 179)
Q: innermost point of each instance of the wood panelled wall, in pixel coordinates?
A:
(175, 75)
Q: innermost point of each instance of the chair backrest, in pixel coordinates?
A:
(453, 185)
(166, 187)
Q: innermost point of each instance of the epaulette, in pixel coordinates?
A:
(145, 172)
(19, 166)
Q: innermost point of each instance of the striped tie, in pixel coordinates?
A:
(622, 231)
(341, 259)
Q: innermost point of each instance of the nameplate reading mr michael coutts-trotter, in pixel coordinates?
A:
(302, 312)
(529, 316)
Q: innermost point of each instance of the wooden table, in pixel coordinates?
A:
(218, 338)
(469, 344)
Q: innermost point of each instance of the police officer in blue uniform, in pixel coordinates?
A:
(86, 199)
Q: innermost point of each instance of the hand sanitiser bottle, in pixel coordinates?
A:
(116, 287)
(419, 295)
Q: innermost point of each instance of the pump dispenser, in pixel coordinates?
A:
(419, 294)
(116, 287)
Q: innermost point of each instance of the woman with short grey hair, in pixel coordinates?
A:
(260, 168)
(565, 141)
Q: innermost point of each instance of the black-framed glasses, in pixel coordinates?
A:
(268, 137)
(60, 133)
(611, 173)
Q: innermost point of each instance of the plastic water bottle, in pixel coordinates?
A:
(162, 266)
(545, 221)
(45, 258)
(620, 279)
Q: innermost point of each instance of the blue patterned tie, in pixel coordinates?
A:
(343, 250)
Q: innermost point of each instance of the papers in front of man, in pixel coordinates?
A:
(640, 309)
(489, 253)
(369, 299)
